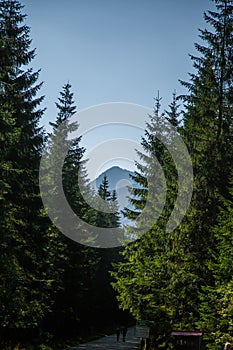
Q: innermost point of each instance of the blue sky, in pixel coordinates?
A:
(113, 50)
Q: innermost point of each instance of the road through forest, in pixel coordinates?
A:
(110, 343)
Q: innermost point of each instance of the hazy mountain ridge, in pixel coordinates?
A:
(119, 179)
(114, 175)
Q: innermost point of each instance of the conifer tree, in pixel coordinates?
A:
(208, 133)
(115, 217)
(173, 114)
(216, 309)
(75, 261)
(156, 166)
(207, 130)
(142, 280)
(103, 217)
(207, 122)
(74, 166)
(103, 189)
(24, 280)
(107, 216)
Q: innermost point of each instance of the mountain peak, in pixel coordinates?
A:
(118, 179)
(114, 175)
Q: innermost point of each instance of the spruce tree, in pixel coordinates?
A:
(156, 166)
(142, 280)
(74, 166)
(24, 280)
(216, 309)
(107, 216)
(103, 189)
(115, 217)
(207, 122)
(103, 217)
(207, 131)
(75, 262)
(173, 114)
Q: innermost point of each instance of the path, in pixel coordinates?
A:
(110, 343)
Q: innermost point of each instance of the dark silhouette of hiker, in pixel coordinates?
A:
(124, 332)
(118, 332)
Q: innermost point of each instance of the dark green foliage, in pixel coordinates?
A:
(74, 262)
(217, 299)
(81, 288)
(184, 279)
(143, 278)
(107, 215)
(51, 286)
(208, 133)
(103, 298)
(24, 276)
(173, 114)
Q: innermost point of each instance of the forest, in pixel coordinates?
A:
(53, 290)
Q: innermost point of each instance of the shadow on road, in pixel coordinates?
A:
(110, 343)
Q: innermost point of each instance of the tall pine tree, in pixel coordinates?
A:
(143, 279)
(207, 131)
(24, 286)
(216, 309)
(74, 262)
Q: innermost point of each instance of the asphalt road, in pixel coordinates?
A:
(110, 343)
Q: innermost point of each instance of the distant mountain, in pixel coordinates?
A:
(114, 175)
(119, 179)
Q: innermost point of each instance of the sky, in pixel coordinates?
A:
(113, 51)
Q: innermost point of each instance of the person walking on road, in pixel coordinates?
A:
(118, 332)
(124, 332)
